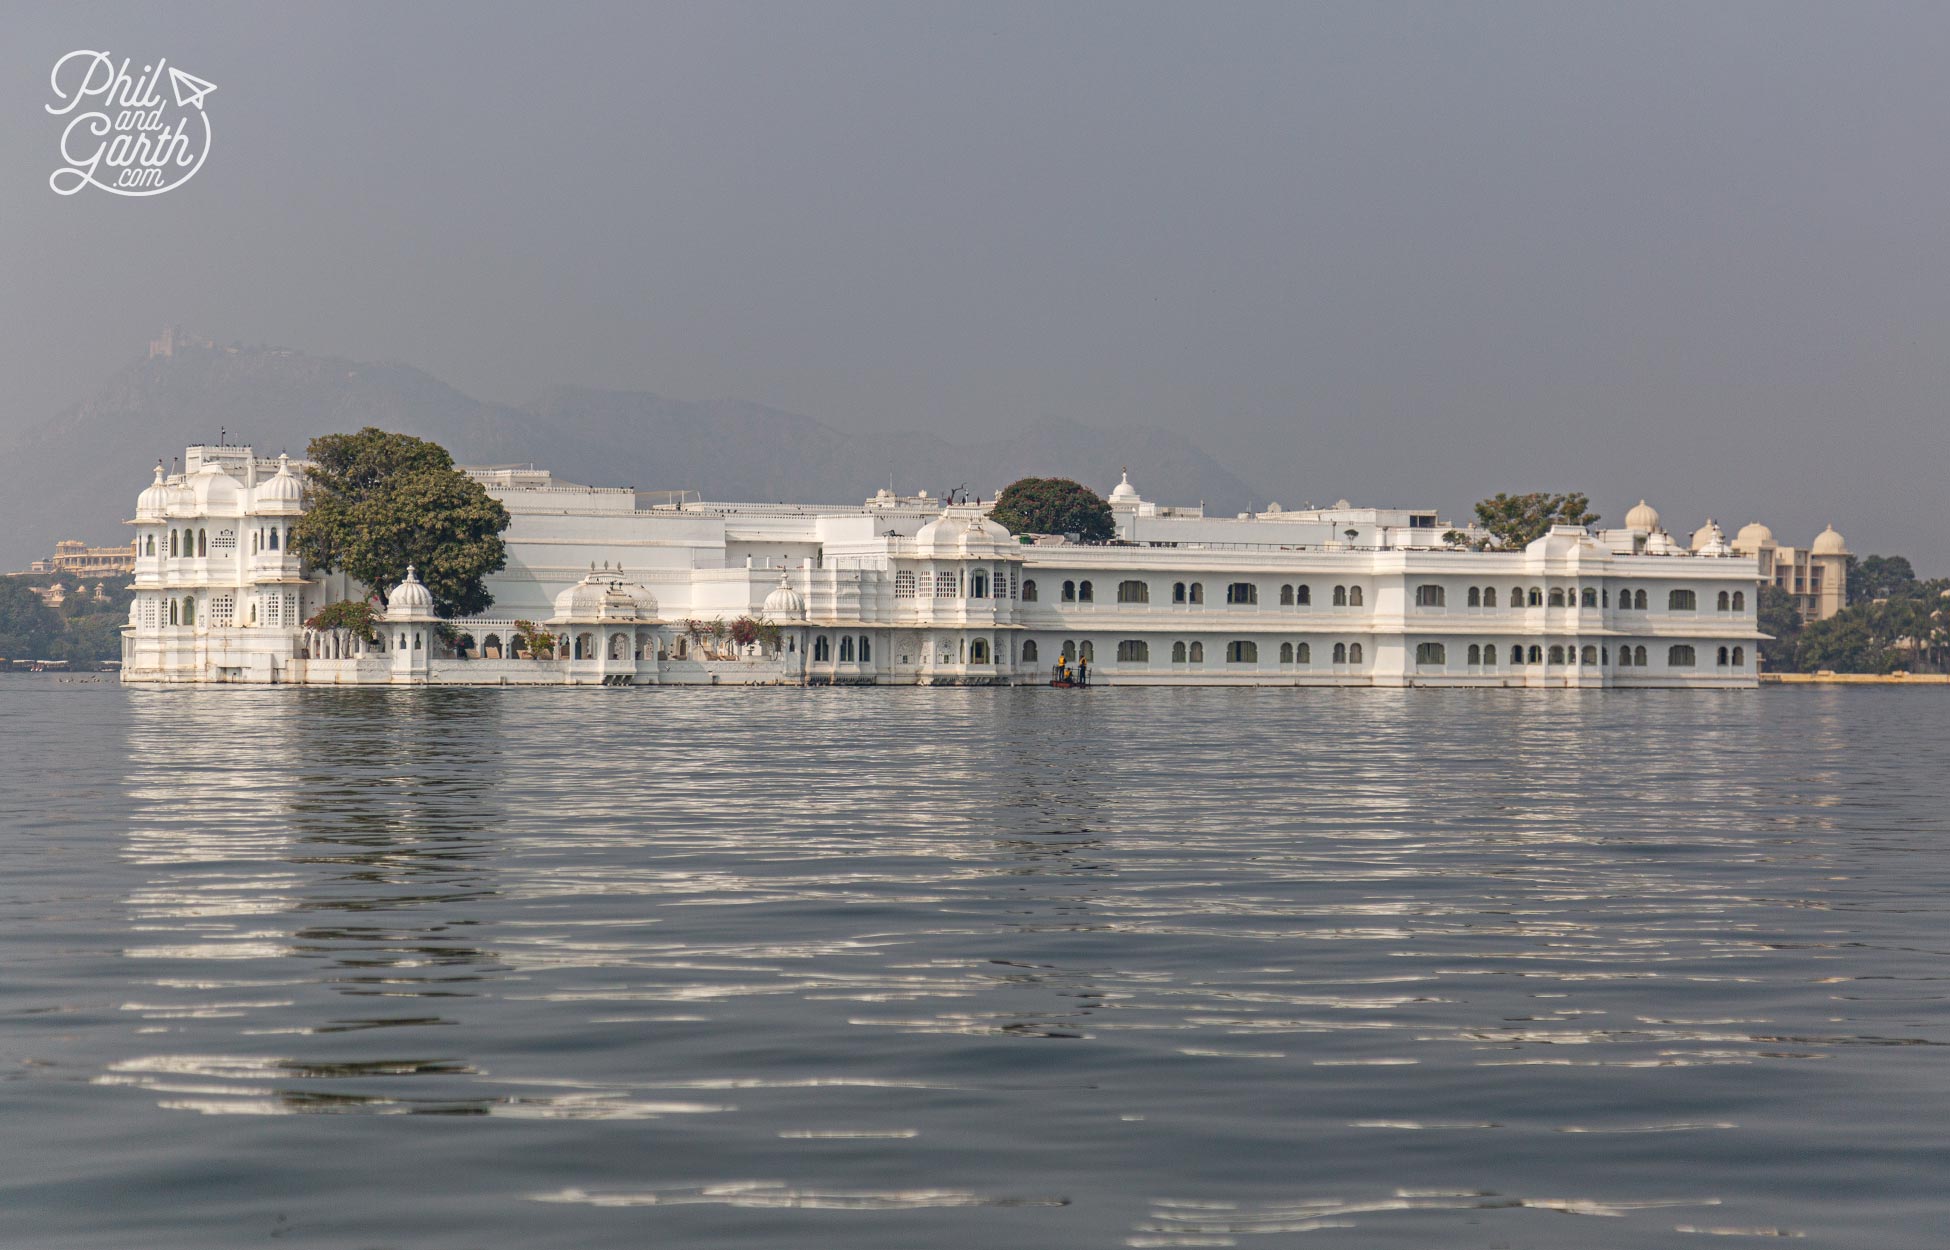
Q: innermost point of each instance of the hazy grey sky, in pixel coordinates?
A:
(1404, 253)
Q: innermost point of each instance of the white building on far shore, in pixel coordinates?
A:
(914, 590)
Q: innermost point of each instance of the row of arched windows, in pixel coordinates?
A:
(852, 651)
(1239, 593)
(1238, 651)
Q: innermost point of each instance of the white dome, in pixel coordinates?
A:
(960, 529)
(282, 491)
(154, 499)
(1644, 517)
(409, 599)
(1708, 535)
(1124, 491)
(604, 596)
(1660, 544)
(213, 490)
(1829, 543)
(784, 603)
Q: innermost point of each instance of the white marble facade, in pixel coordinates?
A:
(912, 590)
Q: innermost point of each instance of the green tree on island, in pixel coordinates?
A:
(1880, 577)
(377, 502)
(1053, 505)
(1516, 521)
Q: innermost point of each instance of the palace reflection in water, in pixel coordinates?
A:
(967, 966)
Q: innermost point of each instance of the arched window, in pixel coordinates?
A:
(1242, 593)
(1303, 654)
(1638, 657)
(1178, 592)
(1475, 655)
(274, 538)
(1198, 592)
(172, 542)
(1242, 652)
(1725, 601)
(978, 584)
(1087, 652)
(585, 646)
(822, 648)
(1069, 651)
(1133, 651)
(1516, 655)
(1679, 656)
(1475, 596)
(978, 651)
(1069, 592)
(491, 647)
(1286, 596)
(619, 646)
(1590, 655)
(1340, 596)
(1085, 594)
(1178, 653)
(1354, 600)
(1624, 657)
(1198, 653)
(866, 649)
(1604, 653)
(1638, 601)
(1557, 655)
(1721, 660)
(1431, 653)
(172, 612)
(1427, 596)
(1303, 594)
(1029, 591)
(1286, 653)
(1590, 596)
(189, 609)
(1536, 597)
(1739, 601)
(846, 649)
(1354, 649)
(1682, 601)
(1740, 657)
(1536, 655)
(1340, 653)
(151, 549)
(1133, 592)
(1029, 651)
(1557, 596)
(1489, 596)
(203, 542)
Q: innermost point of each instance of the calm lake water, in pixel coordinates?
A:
(972, 968)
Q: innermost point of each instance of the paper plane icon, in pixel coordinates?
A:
(189, 89)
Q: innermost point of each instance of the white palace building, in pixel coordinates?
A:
(913, 590)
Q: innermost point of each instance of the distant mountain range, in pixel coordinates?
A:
(77, 476)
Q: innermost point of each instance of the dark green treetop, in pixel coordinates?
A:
(376, 502)
(1053, 505)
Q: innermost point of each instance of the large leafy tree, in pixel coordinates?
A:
(376, 502)
(1053, 505)
(1519, 520)
(1775, 613)
(28, 627)
(1880, 577)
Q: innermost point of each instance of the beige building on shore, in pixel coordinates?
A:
(1816, 576)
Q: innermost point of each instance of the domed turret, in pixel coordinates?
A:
(784, 603)
(1644, 517)
(1124, 492)
(1752, 537)
(960, 529)
(1828, 543)
(153, 502)
(282, 492)
(410, 600)
(1710, 539)
(604, 596)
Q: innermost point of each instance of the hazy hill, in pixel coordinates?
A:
(77, 475)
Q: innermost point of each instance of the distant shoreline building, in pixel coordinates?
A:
(71, 555)
(1815, 576)
(632, 589)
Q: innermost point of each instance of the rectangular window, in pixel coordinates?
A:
(1242, 593)
(944, 585)
(1430, 597)
(904, 584)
